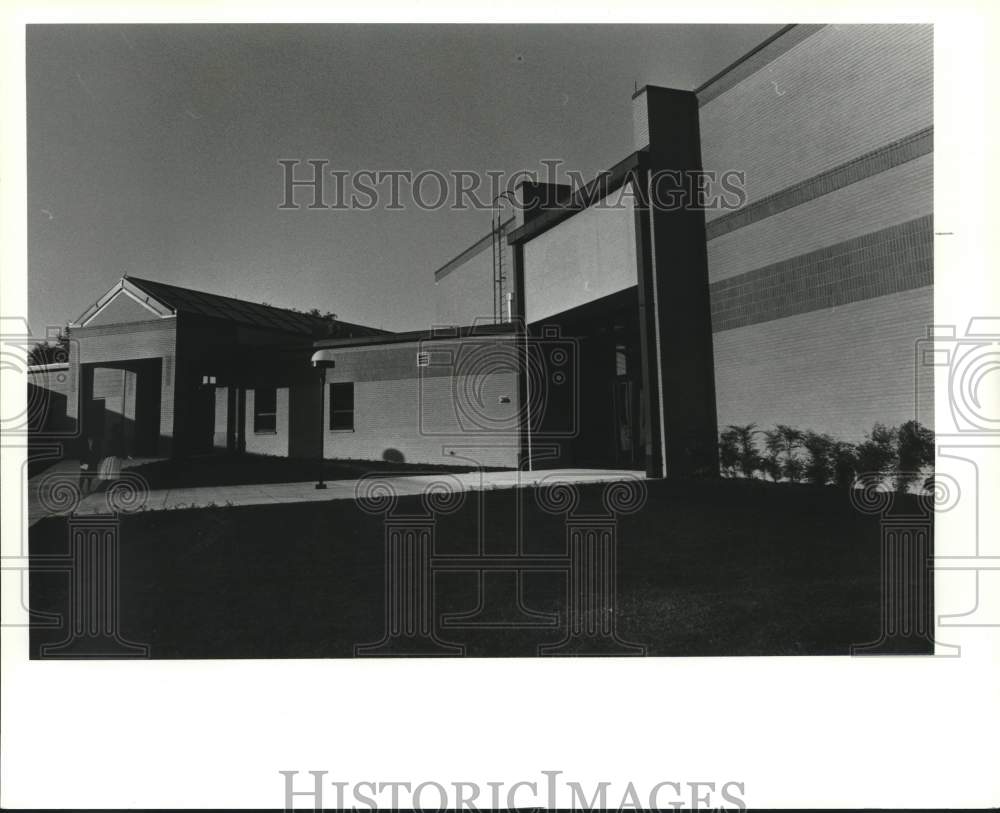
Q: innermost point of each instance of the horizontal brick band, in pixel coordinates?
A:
(765, 53)
(898, 258)
(857, 169)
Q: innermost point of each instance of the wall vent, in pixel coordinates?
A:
(423, 358)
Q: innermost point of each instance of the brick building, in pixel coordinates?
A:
(178, 371)
(599, 326)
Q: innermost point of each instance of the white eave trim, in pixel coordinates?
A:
(123, 286)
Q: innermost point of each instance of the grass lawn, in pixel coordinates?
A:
(248, 469)
(712, 568)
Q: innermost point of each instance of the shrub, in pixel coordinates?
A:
(749, 456)
(844, 462)
(819, 465)
(738, 450)
(902, 453)
(729, 452)
(793, 466)
(774, 443)
(878, 454)
(782, 460)
(914, 452)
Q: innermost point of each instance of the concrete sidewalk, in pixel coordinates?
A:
(58, 485)
(272, 493)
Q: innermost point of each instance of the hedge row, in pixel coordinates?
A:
(901, 454)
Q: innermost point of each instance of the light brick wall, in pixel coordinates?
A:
(837, 370)
(271, 443)
(138, 340)
(112, 385)
(220, 436)
(886, 199)
(156, 338)
(844, 91)
(839, 95)
(898, 258)
(422, 414)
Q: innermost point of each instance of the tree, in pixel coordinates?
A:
(792, 439)
(51, 352)
(844, 460)
(782, 444)
(729, 452)
(330, 316)
(774, 443)
(914, 451)
(878, 455)
(819, 465)
(747, 456)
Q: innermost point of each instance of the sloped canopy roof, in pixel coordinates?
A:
(185, 300)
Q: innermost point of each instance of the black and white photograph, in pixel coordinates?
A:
(368, 348)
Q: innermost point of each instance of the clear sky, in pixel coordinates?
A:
(153, 150)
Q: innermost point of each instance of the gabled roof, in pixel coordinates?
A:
(169, 300)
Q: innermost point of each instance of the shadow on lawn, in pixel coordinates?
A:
(716, 568)
(249, 469)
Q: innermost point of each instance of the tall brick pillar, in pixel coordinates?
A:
(674, 305)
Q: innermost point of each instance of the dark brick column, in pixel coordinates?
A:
(674, 300)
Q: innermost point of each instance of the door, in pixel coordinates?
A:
(96, 419)
(626, 424)
(203, 419)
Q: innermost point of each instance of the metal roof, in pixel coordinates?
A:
(216, 306)
(504, 330)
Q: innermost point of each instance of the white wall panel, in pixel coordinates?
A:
(588, 256)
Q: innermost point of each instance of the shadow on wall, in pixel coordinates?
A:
(49, 428)
(46, 410)
(393, 456)
(54, 435)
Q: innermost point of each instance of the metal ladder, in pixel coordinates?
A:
(499, 274)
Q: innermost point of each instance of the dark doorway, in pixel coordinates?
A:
(202, 418)
(95, 418)
(585, 413)
(124, 394)
(145, 439)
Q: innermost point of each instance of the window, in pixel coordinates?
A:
(342, 406)
(265, 411)
(621, 360)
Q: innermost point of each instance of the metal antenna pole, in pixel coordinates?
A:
(497, 247)
(493, 257)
